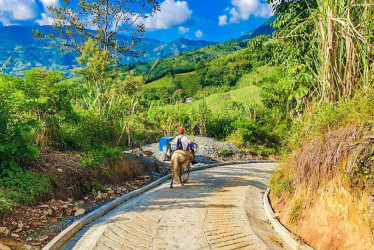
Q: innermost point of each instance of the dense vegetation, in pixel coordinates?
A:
(328, 60)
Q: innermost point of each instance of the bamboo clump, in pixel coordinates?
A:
(344, 31)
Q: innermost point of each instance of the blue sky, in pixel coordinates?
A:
(212, 20)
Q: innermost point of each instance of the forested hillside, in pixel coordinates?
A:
(25, 52)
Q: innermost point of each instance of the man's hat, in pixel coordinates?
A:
(181, 130)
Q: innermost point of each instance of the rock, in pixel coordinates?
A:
(48, 211)
(81, 202)
(44, 206)
(29, 239)
(36, 243)
(162, 157)
(53, 221)
(98, 196)
(26, 247)
(80, 211)
(70, 200)
(68, 211)
(20, 225)
(43, 238)
(54, 208)
(2, 229)
(36, 224)
(104, 195)
(110, 192)
(156, 167)
(53, 200)
(18, 230)
(14, 235)
(4, 247)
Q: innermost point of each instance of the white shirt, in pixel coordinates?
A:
(184, 141)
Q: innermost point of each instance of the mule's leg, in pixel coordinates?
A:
(188, 173)
(172, 177)
(188, 170)
(181, 173)
(180, 179)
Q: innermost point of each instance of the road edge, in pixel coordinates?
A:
(283, 232)
(62, 238)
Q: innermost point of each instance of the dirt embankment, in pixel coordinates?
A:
(331, 205)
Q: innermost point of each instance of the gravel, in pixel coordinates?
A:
(207, 152)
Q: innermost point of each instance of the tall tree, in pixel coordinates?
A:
(102, 21)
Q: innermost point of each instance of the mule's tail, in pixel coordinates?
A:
(175, 168)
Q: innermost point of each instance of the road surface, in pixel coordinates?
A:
(220, 207)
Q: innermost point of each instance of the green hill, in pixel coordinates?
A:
(27, 53)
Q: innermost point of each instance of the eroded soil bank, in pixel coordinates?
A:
(332, 219)
(324, 191)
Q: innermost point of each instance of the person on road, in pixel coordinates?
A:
(181, 142)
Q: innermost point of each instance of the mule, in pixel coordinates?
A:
(179, 160)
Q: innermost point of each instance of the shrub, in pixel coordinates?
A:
(89, 133)
(225, 153)
(295, 213)
(95, 157)
(17, 142)
(26, 187)
(280, 182)
(5, 204)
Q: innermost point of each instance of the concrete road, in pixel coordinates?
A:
(219, 208)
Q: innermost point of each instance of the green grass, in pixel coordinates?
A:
(189, 82)
(247, 96)
(165, 82)
(260, 75)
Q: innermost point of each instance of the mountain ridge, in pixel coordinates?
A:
(27, 53)
(264, 29)
(18, 43)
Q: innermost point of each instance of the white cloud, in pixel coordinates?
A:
(243, 9)
(222, 20)
(17, 10)
(47, 3)
(172, 13)
(46, 20)
(183, 30)
(199, 34)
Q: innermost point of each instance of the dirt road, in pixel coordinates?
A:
(220, 208)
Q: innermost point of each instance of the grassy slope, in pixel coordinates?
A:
(165, 82)
(249, 95)
(260, 75)
(247, 92)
